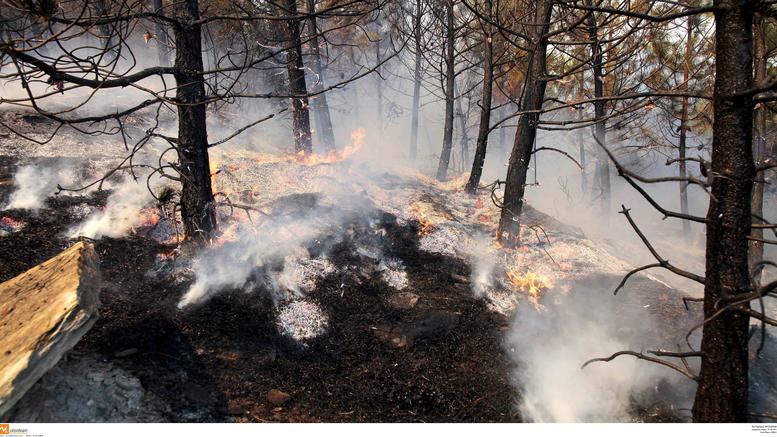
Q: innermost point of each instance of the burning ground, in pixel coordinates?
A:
(336, 291)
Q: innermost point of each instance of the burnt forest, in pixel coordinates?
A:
(371, 211)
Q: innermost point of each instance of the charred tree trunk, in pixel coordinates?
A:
(581, 145)
(760, 150)
(464, 134)
(197, 210)
(484, 128)
(509, 233)
(600, 129)
(163, 51)
(581, 141)
(681, 145)
(300, 116)
(320, 105)
(416, 82)
(502, 132)
(722, 394)
(450, 73)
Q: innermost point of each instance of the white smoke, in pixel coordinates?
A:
(34, 183)
(483, 266)
(257, 248)
(121, 212)
(550, 346)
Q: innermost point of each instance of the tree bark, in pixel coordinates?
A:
(581, 146)
(416, 82)
(502, 131)
(300, 116)
(509, 234)
(722, 394)
(760, 150)
(450, 73)
(464, 134)
(581, 141)
(197, 211)
(163, 52)
(320, 104)
(684, 126)
(600, 129)
(484, 128)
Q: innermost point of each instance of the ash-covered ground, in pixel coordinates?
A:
(337, 291)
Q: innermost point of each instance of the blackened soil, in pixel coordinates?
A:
(218, 360)
(43, 235)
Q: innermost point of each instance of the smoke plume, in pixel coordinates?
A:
(550, 346)
(34, 183)
(120, 215)
(257, 249)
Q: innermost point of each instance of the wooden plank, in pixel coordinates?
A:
(43, 313)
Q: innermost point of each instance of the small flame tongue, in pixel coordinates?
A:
(148, 217)
(334, 156)
(426, 225)
(425, 214)
(214, 170)
(531, 283)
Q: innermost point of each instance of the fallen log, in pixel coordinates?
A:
(43, 313)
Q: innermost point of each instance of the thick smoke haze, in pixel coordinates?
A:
(549, 347)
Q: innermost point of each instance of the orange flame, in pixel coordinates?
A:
(217, 166)
(531, 283)
(333, 156)
(147, 218)
(426, 224)
(12, 223)
(214, 170)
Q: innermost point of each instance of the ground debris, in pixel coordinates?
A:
(430, 325)
(277, 397)
(301, 321)
(9, 225)
(88, 389)
(393, 273)
(389, 305)
(403, 300)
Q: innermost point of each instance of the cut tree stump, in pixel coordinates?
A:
(43, 313)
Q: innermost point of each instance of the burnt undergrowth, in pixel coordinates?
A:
(216, 361)
(441, 359)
